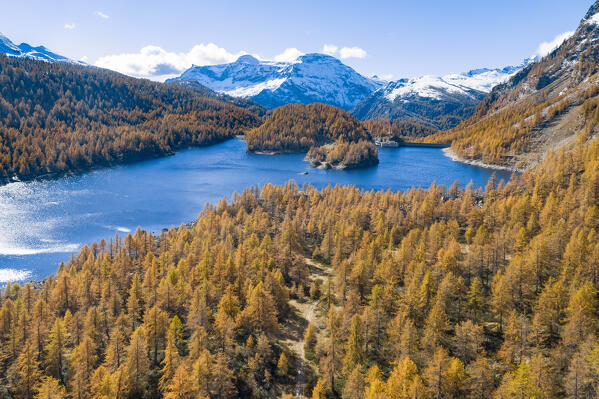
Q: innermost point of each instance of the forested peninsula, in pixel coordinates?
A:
(325, 132)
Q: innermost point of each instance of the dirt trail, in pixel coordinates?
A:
(298, 347)
(305, 312)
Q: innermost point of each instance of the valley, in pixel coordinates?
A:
(43, 222)
(208, 223)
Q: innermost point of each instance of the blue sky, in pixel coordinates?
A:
(402, 38)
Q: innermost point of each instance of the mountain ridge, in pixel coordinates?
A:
(439, 102)
(310, 78)
(25, 50)
(539, 109)
(60, 118)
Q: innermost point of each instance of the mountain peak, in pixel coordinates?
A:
(247, 59)
(319, 57)
(419, 100)
(311, 78)
(548, 94)
(7, 46)
(25, 50)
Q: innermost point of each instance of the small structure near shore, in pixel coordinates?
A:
(394, 142)
(386, 143)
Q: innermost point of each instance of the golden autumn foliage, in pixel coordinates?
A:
(501, 136)
(437, 293)
(297, 128)
(540, 108)
(57, 118)
(343, 154)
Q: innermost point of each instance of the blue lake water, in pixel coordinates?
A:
(42, 223)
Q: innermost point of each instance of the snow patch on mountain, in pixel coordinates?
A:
(441, 102)
(426, 86)
(8, 47)
(593, 20)
(254, 90)
(483, 81)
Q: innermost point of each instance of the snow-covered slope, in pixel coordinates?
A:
(25, 50)
(485, 79)
(437, 101)
(8, 47)
(311, 78)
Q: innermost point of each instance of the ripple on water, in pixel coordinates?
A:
(26, 224)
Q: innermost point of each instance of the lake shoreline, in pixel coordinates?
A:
(138, 158)
(454, 157)
(149, 157)
(42, 220)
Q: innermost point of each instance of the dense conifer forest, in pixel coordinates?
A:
(287, 291)
(438, 293)
(206, 92)
(58, 117)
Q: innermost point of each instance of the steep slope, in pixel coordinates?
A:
(25, 50)
(206, 92)
(8, 47)
(437, 102)
(60, 118)
(311, 78)
(539, 108)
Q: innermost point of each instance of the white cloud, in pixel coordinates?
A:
(101, 14)
(70, 26)
(289, 55)
(383, 76)
(330, 49)
(85, 58)
(547, 47)
(352, 52)
(155, 63)
(343, 53)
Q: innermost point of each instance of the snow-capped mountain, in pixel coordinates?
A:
(25, 50)
(310, 78)
(441, 102)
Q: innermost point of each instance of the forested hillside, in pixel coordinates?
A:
(438, 293)
(57, 118)
(539, 109)
(444, 110)
(297, 127)
(398, 129)
(206, 92)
